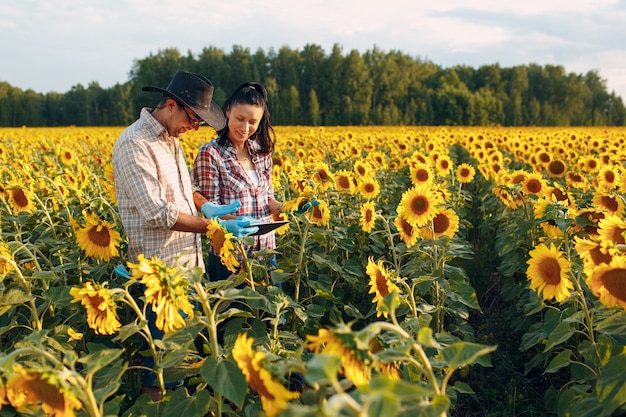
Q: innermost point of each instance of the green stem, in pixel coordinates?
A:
(147, 334)
(246, 265)
(31, 303)
(301, 266)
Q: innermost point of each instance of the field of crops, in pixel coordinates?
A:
(447, 271)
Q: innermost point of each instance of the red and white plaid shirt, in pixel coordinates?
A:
(222, 179)
(153, 185)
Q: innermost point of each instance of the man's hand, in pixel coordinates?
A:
(240, 226)
(211, 210)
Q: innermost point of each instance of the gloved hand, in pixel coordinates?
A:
(307, 205)
(240, 226)
(211, 210)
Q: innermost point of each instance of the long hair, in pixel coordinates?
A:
(254, 94)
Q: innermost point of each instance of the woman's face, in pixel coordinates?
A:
(243, 121)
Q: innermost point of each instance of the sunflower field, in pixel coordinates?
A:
(447, 271)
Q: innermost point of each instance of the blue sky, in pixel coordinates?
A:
(53, 45)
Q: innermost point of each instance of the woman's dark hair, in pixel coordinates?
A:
(256, 95)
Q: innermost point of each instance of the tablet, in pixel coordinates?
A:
(267, 227)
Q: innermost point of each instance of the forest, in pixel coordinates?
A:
(318, 88)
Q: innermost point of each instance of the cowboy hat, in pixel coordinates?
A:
(195, 92)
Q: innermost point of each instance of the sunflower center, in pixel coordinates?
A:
(422, 175)
(344, 182)
(609, 176)
(615, 283)
(420, 205)
(441, 223)
(19, 196)
(381, 284)
(99, 236)
(610, 203)
(369, 187)
(551, 271)
(556, 167)
(323, 175)
(617, 235)
(598, 257)
(534, 186)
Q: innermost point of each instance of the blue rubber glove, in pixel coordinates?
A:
(308, 205)
(240, 226)
(211, 210)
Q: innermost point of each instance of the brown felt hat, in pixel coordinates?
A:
(196, 92)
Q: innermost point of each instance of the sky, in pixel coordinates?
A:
(54, 45)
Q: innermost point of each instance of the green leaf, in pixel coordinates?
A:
(560, 334)
(98, 360)
(533, 336)
(322, 369)
(611, 384)
(182, 405)
(14, 296)
(560, 361)
(425, 338)
(462, 354)
(463, 388)
(225, 377)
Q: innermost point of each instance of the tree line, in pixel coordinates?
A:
(313, 87)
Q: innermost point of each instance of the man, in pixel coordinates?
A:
(157, 202)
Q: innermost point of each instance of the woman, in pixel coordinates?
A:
(238, 166)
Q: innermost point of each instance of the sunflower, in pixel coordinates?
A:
(322, 176)
(612, 228)
(534, 183)
(417, 205)
(344, 182)
(278, 218)
(445, 223)
(558, 194)
(100, 306)
(407, 232)
(352, 367)
(607, 178)
(274, 396)
(98, 238)
(591, 164)
(609, 202)
(319, 214)
(31, 388)
(587, 221)
(166, 289)
(444, 165)
(369, 187)
(509, 196)
(5, 257)
(67, 157)
(593, 253)
(557, 168)
(368, 216)
(465, 173)
(222, 243)
(577, 180)
(552, 210)
(547, 272)
(608, 282)
(362, 168)
(20, 198)
(380, 284)
(421, 173)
